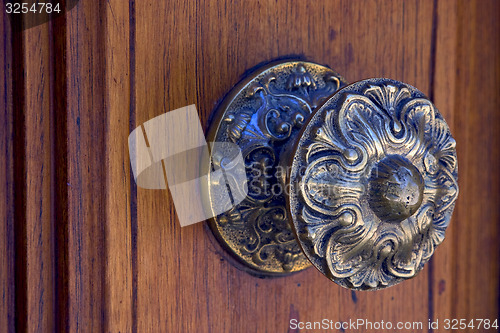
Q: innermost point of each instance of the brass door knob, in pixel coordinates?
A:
(360, 180)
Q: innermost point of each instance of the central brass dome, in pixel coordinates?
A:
(396, 189)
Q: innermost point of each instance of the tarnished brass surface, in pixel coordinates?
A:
(373, 184)
(261, 114)
(363, 179)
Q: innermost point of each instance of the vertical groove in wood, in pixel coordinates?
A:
(60, 171)
(133, 186)
(7, 291)
(19, 169)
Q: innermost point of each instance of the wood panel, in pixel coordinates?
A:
(441, 294)
(476, 261)
(227, 46)
(7, 265)
(118, 280)
(86, 166)
(84, 250)
(36, 234)
(28, 175)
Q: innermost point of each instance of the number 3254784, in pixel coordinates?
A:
(36, 8)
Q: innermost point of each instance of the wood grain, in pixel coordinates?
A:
(477, 101)
(118, 232)
(84, 250)
(441, 294)
(87, 166)
(30, 167)
(37, 175)
(7, 260)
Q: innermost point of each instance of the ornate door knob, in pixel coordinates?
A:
(360, 180)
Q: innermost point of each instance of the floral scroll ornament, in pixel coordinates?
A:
(379, 185)
(261, 119)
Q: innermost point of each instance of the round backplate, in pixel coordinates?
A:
(259, 117)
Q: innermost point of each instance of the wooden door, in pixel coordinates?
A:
(83, 249)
